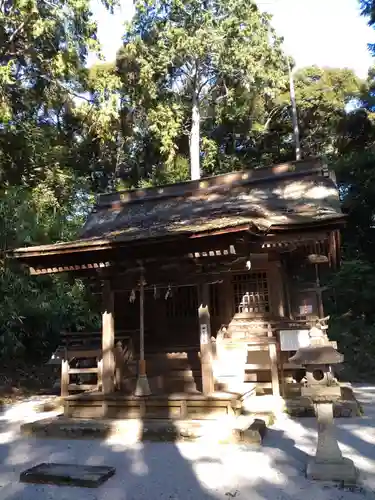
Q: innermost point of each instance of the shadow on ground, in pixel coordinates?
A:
(184, 471)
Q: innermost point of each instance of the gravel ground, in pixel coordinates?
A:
(153, 471)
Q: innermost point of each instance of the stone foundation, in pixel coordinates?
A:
(244, 429)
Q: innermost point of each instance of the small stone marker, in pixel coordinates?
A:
(86, 476)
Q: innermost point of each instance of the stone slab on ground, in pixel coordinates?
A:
(86, 476)
(244, 429)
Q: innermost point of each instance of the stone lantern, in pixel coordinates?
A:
(323, 389)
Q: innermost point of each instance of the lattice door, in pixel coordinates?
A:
(250, 292)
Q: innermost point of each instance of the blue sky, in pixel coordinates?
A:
(323, 32)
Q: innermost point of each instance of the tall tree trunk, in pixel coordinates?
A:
(195, 170)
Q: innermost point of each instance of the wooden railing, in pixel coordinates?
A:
(80, 348)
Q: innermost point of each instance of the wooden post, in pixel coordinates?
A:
(272, 349)
(100, 374)
(319, 293)
(119, 365)
(274, 370)
(108, 339)
(142, 387)
(64, 377)
(208, 385)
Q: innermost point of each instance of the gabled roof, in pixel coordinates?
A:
(295, 193)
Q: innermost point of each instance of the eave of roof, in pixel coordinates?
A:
(239, 216)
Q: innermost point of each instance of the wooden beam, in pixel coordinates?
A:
(208, 385)
(66, 268)
(108, 339)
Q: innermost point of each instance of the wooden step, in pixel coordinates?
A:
(76, 371)
(187, 406)
(160, 385)
(182, 374)
(173, 355)
(82, 387)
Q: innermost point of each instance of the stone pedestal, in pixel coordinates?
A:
(328, 463)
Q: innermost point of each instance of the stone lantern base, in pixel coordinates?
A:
(328, 463)
(341, 471)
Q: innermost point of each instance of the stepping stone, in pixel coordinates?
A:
(86, 476)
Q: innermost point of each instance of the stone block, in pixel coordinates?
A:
(67, 429)
(342, 471)
(85, 476)
(253, 434)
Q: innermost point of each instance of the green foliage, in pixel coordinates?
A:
(353, 315)
(44, 45)
(368, 10)
(35, 310)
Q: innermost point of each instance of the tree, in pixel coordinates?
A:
(368, 10)
(44, 46)
(187, 61)
(35, 310)
(322, 95)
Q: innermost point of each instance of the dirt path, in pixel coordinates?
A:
(193, 471)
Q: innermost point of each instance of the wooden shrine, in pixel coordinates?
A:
(208, 288)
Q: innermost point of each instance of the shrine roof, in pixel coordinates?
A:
(294, 193)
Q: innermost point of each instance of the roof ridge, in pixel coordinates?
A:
(214, 183)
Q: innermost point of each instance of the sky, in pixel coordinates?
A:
(322, 32)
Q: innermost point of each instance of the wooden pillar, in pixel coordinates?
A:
(64, 377)
(276, 289)
(108, 339)
(274, 369)
(142, 387)
(119, 365)
(208, 385)
(100, 374)
(286, 288)
(226, 300)
(272, 351)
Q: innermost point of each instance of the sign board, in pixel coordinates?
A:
(292, 340)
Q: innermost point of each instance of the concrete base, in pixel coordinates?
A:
(340, 471)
